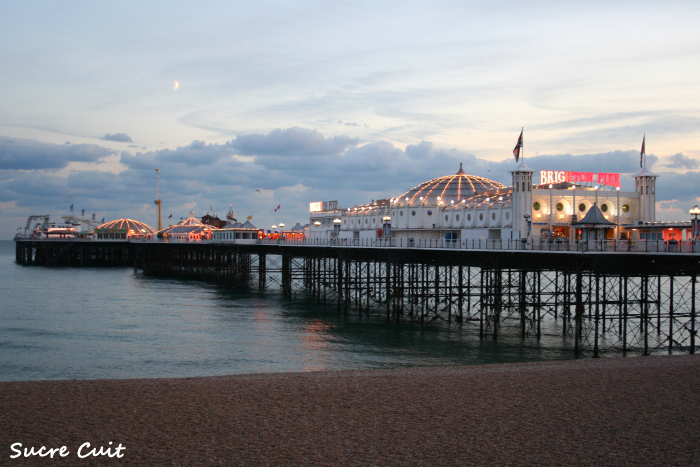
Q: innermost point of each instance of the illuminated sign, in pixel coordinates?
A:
(552, 176)
(319, 206)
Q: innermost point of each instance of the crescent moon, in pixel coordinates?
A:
(176, 85)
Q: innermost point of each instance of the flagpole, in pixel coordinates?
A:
(522, 148)
(645, 150)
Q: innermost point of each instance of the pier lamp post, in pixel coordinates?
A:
(617, 211)
(551, 223)
(529, 224)
(336, 227)
(281, 226)
(386, 226)
(574, 216)
(695, 212)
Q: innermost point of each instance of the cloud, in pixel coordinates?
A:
(292, 142)
(676, 186)
(197, 153)
(29, 154)
(118, 137)
(94, 181)
(679, 161)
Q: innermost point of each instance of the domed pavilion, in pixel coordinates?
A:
(124, 229)
(450, 189)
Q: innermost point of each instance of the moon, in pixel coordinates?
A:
(176, 85)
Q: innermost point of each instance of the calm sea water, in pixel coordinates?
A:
(95, 323)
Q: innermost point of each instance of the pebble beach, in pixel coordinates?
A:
(636, 411)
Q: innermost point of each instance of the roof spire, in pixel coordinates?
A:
(460, 171)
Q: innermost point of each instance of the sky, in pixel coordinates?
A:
(286, 103)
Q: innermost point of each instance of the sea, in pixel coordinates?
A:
(59, 323)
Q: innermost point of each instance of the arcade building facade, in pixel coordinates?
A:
(464, 207)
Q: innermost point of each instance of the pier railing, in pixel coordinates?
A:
(636, 246)
(619, 246)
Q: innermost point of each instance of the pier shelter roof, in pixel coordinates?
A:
(595, 218)
(125, 226)
(191, 225)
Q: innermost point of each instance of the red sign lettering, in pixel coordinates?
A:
(548, 177)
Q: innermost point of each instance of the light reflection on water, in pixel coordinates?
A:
(93, 323)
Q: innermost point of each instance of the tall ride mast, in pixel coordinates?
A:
(159, 203)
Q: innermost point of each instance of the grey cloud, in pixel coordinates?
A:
(93, 180)
(372, 157)
(681, 187)
(197, 153)
(133, 146)
(29, 154)
(426, 151)
(291, 142)
(37, 185)
(679, 161)
(118, 137)
(351, 124)
(423, 150)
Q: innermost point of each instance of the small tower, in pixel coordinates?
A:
(230, 216)
(522, 198)
(645, 185)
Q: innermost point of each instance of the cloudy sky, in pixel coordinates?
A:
(284, 103)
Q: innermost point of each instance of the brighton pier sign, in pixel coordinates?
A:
(552, 176)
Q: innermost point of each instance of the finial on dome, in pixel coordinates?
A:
(460, 171)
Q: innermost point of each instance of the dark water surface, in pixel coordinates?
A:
(96, 323)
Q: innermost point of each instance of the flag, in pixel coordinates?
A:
(71, 208)
(83, 213)
(170, 216)
(279, 206)
(518, 147)
(250, 217)
(93, 216)
(641, 153)
(103, 220)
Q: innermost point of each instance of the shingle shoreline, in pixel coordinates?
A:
(624, 411)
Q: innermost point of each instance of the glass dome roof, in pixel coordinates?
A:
(444, 190)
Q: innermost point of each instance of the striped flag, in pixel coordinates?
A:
(518, 147)
(641, 153)
(250, 217)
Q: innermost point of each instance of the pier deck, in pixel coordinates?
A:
(604, 300)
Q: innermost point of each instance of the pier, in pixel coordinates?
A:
(622, 301)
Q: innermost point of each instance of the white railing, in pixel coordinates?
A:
(635, 246)
(619, 246)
